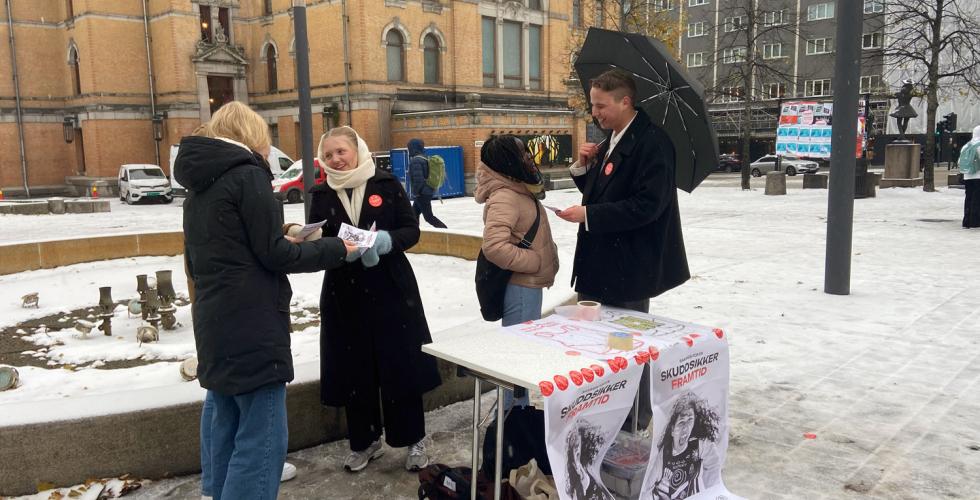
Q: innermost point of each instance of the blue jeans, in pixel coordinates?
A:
(520, 304)
(248, 437)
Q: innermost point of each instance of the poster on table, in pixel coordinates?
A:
(581, 424)
(689, 438)
(805, 129)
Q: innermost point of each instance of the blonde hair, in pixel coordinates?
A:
(238, 122)
(345, 132)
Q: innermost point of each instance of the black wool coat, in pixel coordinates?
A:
(237, 258)
(634, 248)
(372, 318)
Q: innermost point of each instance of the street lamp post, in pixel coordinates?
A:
(68, 126)
(158, 131)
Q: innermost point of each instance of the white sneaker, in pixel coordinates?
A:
(288, 472)
(358, 460)
(416, 459)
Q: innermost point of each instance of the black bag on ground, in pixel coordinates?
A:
(441, 482)
(523, 440)
(491, 279)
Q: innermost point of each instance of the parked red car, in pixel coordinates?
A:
(289, 184)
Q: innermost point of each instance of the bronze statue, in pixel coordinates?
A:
(904, 112)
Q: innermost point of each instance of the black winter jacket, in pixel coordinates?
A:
(237, 256)
(418, 168)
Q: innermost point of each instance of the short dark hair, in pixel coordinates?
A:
(616, 81)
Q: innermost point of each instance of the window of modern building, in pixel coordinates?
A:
(819, 46)
(695, 3)
(206, 23)
(733, 55)
(817, 88)
(870, 83)
(695, 29)
(871, 40)
(534, 56)
(489, 52)
(266, 7)
(513, 60)
(576, 12)
(820, 11)
(695, 59)
(774, 18)
(736, 23)
(774, 90)
(874, 6)
(430, 50)
(772, 50)
(76, 78)
(732, 94)
(270, 68)
(395, 54)
(663, 5)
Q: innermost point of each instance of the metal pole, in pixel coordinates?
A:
(498, 460)
(476, 437)
(840, 202)
(344, 21)
(305, 107)
(20, 110)
(149, 70)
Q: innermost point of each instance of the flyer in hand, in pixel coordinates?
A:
(361, 237)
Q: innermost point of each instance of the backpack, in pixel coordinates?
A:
(441, 482)
(437, 172)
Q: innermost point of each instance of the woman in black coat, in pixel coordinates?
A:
(372, 322)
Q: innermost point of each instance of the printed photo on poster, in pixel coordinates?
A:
(586, 444)
(686, 459)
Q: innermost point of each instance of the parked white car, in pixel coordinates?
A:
(138, 182)
(279, 162)
(789, 164)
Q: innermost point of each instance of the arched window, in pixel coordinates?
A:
(76, 79)
(270, 62)
(396, 55)
(431, 58)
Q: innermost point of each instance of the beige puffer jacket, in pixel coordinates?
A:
(508, 213)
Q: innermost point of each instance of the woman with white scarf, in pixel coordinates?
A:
(372, 321)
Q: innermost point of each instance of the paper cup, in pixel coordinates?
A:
(588, 310)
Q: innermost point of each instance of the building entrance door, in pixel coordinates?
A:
(220, 91)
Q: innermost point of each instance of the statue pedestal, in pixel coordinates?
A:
(901, 165)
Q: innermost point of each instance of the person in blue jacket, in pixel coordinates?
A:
(418, 173)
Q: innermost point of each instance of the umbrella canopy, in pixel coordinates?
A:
(673, 99)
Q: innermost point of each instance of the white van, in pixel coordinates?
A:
(139, 182)
(279, 162)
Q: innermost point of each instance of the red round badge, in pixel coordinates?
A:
(609, 167)
(576, 377)
(561, 382)
(598, 370)
(374, 201)
(546, 388)
(588, 374)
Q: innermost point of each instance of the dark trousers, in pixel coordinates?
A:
(423, 205)
(646, 410)
(401, 418)
(971, 206)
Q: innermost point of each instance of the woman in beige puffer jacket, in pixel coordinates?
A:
(507, 182)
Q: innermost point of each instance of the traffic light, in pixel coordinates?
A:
(940, 126)
(950, 121)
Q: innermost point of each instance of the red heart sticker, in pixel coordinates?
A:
(588, 374)
(613, 365)
(561, 382)
(546, 388)
(719, 332)
(623, 363)
(642, 357)
(374, 201)
(598, 370)
(609, 167)
(573, 353)
(576, 377)
(695, 335)
(809, 435)
(654, 353)
(689, 341)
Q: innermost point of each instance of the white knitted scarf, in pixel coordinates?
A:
(356, 179)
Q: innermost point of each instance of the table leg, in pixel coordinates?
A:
(636, 411)
(476, 436)
(498, 460)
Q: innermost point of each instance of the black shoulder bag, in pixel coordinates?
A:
(491, 279)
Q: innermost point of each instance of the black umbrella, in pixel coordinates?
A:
(673, 99)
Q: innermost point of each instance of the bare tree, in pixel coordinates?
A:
(939, 40)
(750, 50)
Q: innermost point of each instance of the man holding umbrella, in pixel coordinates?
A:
(630, 246)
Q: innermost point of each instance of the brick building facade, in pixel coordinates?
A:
(449, 71)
